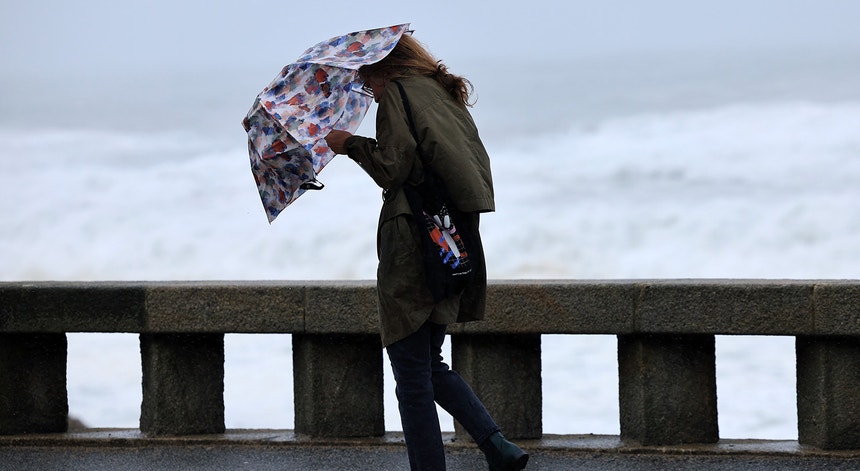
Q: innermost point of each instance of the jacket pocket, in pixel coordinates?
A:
(401, 273)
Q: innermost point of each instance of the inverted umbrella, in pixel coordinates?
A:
(309, 98)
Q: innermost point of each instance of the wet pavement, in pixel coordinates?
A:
(280, 450)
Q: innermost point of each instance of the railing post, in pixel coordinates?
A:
(667, 389)
(505, 373)
(828, 392)
(183, 384)
(33, 397)
(338, 385)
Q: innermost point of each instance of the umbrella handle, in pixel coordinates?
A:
(312, 185)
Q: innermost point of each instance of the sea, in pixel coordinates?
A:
(729, 164)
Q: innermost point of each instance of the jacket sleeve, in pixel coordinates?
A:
(391, 158)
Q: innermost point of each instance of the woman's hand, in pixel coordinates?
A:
(336, 141)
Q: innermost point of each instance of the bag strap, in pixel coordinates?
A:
(411, 121)
(431, 189)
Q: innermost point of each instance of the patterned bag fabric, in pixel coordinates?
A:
(448, 265)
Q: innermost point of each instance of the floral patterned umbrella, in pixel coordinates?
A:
(290, 118)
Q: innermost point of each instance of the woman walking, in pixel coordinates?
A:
(413, 324)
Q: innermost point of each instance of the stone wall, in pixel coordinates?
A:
(665, 331)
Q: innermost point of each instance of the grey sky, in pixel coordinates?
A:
(93, 35)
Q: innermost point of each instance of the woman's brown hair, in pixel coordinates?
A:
(410, 58)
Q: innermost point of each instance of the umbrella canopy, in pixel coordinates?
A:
(309, 98)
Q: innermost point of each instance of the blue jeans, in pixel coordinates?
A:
(423, 379)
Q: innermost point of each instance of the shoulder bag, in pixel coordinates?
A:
(447, 251)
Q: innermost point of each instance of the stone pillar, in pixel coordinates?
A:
(828, 392)
(338, 385)
(183, 384)
(33, 397)
(667, 389)
(505, 373)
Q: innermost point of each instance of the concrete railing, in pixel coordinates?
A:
(665, 330)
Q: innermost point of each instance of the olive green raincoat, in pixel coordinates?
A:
(450, 143)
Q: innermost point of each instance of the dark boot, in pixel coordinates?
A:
(503, 455)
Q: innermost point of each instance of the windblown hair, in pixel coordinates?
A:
(409, 58)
